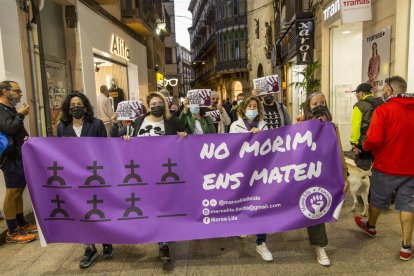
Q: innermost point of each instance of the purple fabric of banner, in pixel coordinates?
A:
(151, 189)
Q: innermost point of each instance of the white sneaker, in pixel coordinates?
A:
(264, 252)
(322, 257)
(243, 236)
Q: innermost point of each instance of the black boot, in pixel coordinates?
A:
(165, 254)
(90, 255)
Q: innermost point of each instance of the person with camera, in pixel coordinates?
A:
(11, 124)
(316, 109)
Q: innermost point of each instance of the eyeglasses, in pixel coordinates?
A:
(171, 82)
(213, 99)
(16, 90)
(387, 81)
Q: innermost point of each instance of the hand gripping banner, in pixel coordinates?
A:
(151, 189)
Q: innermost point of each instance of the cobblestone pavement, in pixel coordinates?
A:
(351, 253)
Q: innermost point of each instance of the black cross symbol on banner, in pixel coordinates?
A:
(170, 174)
(133, 209)
(55, 178)
(132, 175)
(59, 210)
(95, 211)
(95, 177)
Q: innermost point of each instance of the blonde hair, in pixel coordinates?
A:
(167, 115)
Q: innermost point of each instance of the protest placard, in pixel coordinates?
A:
(267, 85)
(129, 110)
(199, 97)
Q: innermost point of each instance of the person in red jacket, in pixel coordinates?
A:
(389, 138)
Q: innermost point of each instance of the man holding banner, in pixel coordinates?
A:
(223, 119)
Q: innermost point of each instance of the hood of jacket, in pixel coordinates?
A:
(406, 99)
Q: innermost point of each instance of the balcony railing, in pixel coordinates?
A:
(203, 77)
(231, 21)
(206, 46)
(237, 64)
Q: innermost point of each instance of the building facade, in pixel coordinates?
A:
(171, 69)
(148, 19)
(261, 32)
(219, 37)
(184, 70)
(345, 50)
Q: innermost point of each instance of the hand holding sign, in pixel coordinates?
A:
(199, 97)
(266, 85)
(215, 116)
(129, 110)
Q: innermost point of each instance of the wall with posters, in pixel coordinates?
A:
(376, 58)
(96, 35)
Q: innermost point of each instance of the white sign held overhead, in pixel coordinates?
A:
(355, 11)
(266, 85)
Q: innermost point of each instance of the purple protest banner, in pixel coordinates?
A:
(150, 189)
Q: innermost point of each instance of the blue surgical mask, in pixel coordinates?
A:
(251, 114)
(195, 110)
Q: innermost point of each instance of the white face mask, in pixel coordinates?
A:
(251, 114)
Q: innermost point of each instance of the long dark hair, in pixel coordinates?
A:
(66, 117)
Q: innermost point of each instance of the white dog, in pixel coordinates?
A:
(359, 185)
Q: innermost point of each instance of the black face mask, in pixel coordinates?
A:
(268, 99)
(77, 111)
(157, 111)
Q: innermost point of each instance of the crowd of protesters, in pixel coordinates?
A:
(391, 126)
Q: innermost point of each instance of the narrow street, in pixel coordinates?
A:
(351, 252)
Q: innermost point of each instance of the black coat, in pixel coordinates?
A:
(172, 126)
(11, 124)
(95, 128)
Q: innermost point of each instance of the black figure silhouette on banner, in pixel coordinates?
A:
(95, 177)
(95, 211)
(55, 178)
(133, 209)
(170, 174)
(132, 175)
(59, 210)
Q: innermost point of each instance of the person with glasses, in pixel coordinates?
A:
(224, 117)
(77, 120)
(157, 122)
(361, 119)
(12, 125)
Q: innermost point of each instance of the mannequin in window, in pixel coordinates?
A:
(116, 93)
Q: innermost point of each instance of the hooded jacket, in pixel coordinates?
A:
(390, 136)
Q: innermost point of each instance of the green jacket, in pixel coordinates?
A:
(206, 123)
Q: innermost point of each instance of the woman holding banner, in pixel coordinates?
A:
(316, 109)
(77, 120)
(195, 120)
(158, 122)
(250, 119)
